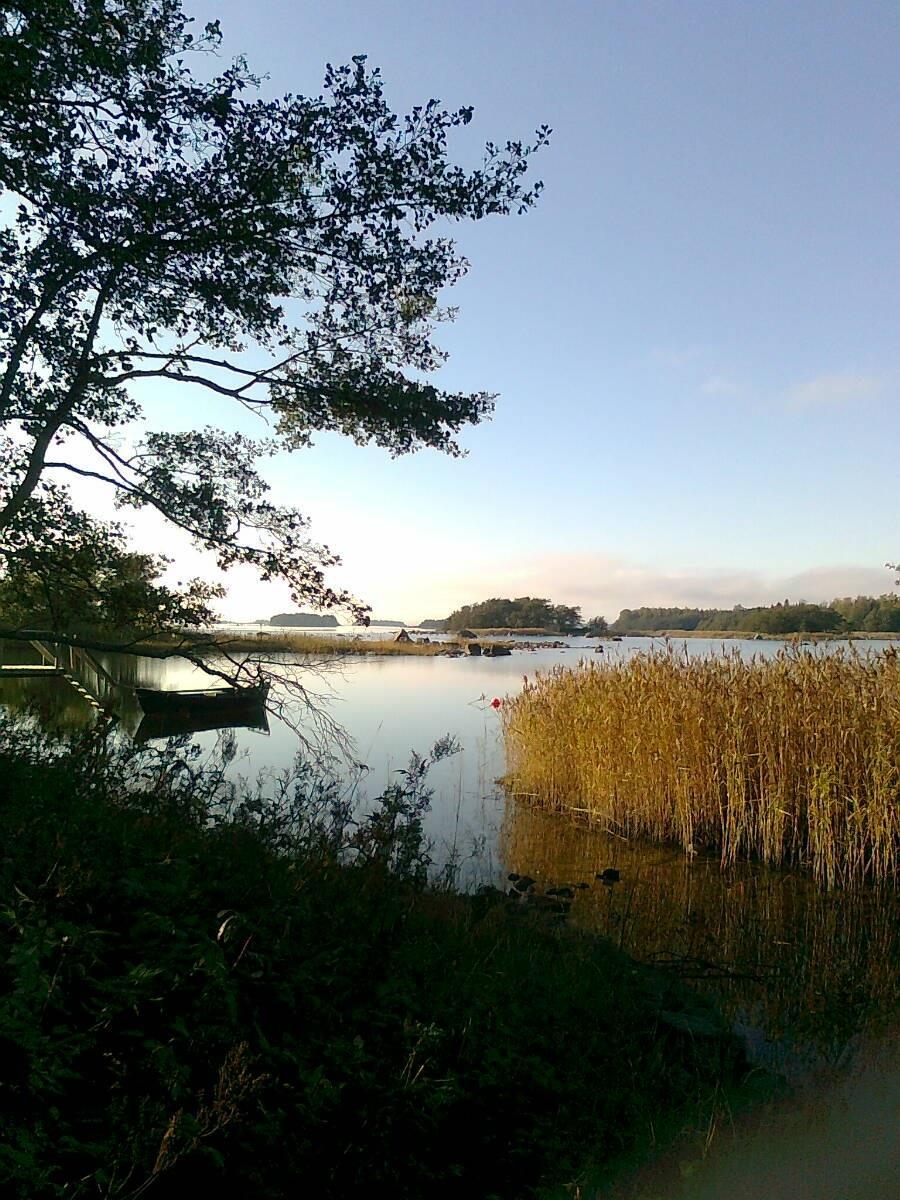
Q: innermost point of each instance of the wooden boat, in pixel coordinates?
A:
(210, 702)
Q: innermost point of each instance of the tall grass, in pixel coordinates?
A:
(299, 643)
(792, 760)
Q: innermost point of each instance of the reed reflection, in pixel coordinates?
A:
(805, 975)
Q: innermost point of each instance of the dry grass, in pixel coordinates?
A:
(304, 643)
(792, 760)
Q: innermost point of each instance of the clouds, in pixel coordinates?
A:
(720, 385)
(835, 390)
(712, 375)
(604, 584)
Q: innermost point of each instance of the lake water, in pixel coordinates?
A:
(805, 976)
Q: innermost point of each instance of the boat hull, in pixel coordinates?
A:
(215, 701)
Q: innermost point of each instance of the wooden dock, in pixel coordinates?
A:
(68, 662)
(24, 670)
(146, 712)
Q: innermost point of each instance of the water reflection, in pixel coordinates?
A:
(802, 973)
(805, 974)
(65, 689)
(53, 703)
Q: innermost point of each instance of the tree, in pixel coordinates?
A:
(654, 619)
(793, 618)
(280, 255)
(525, 612)
(870, 614)
(597, 626)
(88, 582)
(566, 618)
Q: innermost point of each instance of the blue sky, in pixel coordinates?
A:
(694, 336)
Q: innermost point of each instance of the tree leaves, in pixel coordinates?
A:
(278, 254)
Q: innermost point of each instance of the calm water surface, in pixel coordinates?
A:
(805, 976)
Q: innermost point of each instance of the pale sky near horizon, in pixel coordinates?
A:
(693, 337)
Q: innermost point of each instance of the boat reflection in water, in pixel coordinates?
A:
(165, 714)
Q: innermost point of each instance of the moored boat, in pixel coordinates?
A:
(210, 700)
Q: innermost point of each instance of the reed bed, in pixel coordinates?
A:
(301, 643)
(792, 760)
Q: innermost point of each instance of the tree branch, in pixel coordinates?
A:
(29, 481)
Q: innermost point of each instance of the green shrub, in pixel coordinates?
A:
(264, 994)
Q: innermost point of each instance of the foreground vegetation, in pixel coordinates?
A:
(791, 760)
(204, 989)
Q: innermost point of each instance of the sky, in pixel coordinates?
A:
(693, 336)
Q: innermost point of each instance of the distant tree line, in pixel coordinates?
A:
(864, 614)
(873, 614)
(525, 612)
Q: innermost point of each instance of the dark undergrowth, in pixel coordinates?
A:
(266, 997)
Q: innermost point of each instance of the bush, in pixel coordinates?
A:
(202, 988)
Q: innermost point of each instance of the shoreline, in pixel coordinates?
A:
(338, 646)
(300, 643)
(713, 635)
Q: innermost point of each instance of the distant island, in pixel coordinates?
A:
(525, 613)
(304, 620)
(318, 621)
(860, 614)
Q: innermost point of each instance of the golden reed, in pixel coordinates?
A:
(793, 760)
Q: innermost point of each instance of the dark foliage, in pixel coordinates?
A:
(206, 991)
(526, 612)
(281, 255)
(866, 614)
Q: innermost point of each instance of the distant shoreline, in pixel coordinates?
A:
(300, 643)
(329, 644)
(713, 635)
